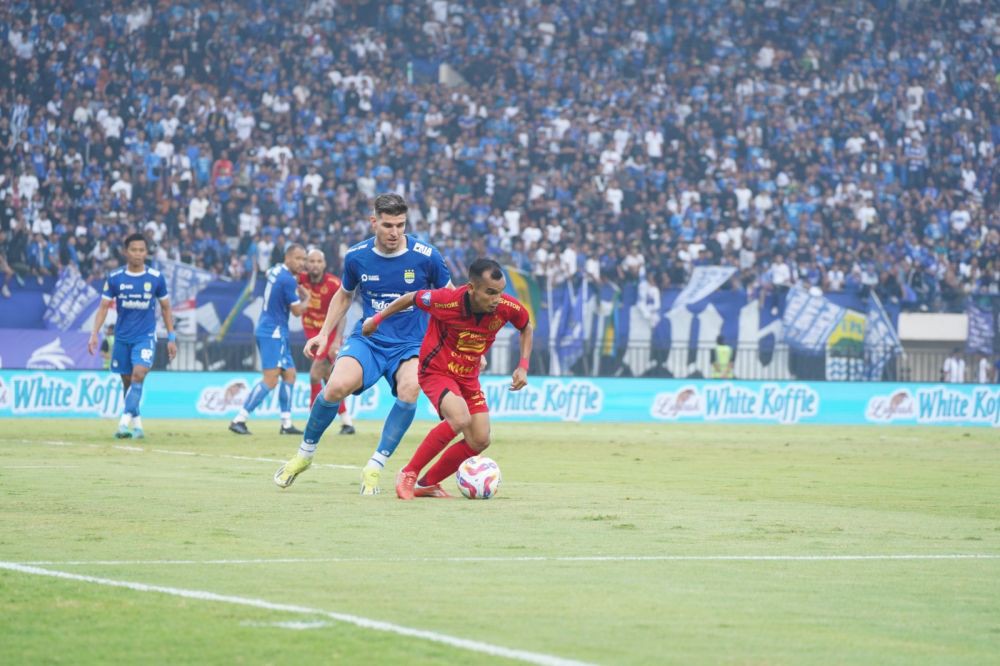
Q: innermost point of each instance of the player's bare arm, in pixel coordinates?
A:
(338, 307)
(520, 377)
(102, 314)
(168, 322)
(398, 305)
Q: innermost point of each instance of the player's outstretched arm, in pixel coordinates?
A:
(520, 377)
(102, 314)
(168, 322)
(398, 305)
(334, 313)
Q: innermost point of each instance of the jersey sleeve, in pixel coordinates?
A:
(161, 287)
(110, 290)
(517, 314)
(289, 290)
(439, 273)
(349, 279)
(423, 299)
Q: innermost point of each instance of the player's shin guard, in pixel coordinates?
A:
(132, 398)
(435, 441)
(448, 463)
(257, 395)
(396, 424)
(321, 416)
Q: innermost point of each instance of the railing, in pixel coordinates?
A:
(752, 362)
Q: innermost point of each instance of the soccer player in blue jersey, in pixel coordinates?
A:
(378, 270)
(134, 290)
(282, 296)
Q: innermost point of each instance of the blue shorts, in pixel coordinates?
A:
(124, 355)
(275, 353)
(377, 361)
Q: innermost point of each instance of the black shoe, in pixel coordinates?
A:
(346, 430)
(290, 430)
(239, 427)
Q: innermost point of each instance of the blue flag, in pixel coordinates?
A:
(569, 339)
(809, 320)
(881, 341)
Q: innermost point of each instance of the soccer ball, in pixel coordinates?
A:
(478, 477)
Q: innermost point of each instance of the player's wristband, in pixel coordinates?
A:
(523, 364)
(171, 336)
(377, 318)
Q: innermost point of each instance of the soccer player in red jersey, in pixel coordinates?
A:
(464, 324)
(321, 286)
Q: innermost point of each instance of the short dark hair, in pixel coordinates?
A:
(291, 247)
(131, 238)
(481, 266)
(389, 204)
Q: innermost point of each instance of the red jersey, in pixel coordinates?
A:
(456, 338)
(320, 296)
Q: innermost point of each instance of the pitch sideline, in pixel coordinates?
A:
(535, 558)
(358, 621)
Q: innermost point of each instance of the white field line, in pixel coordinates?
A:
(298, 626)
(38, 466)
(358, 621)
(121, 447)
(540, 558)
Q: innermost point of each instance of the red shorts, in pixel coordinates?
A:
(327, 351)
(435, 385)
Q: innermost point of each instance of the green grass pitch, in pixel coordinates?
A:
(608, 544)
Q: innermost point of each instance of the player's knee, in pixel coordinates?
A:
(336, 392)
(478, 443)
(460, 423)
(408, 391)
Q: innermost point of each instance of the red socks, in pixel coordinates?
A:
(433, 444)
(448, 463)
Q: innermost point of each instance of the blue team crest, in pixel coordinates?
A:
(425, 298)
(409, 276)
(147, 286)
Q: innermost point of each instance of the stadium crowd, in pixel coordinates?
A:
(840, 145)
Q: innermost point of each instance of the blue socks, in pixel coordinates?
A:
(320, 417)
(285, 397)
(396, 424)
(132, 398)
(257, 395)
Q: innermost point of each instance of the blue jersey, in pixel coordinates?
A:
(279, 296)
(134, 295)
(382, 279)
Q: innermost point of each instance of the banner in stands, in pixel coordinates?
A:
(581, 329)
(44, 394)
(39, 349)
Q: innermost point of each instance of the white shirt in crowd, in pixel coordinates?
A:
(953, 370)
(781, 274)
(983, 371)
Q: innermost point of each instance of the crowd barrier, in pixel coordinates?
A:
(48, 394)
